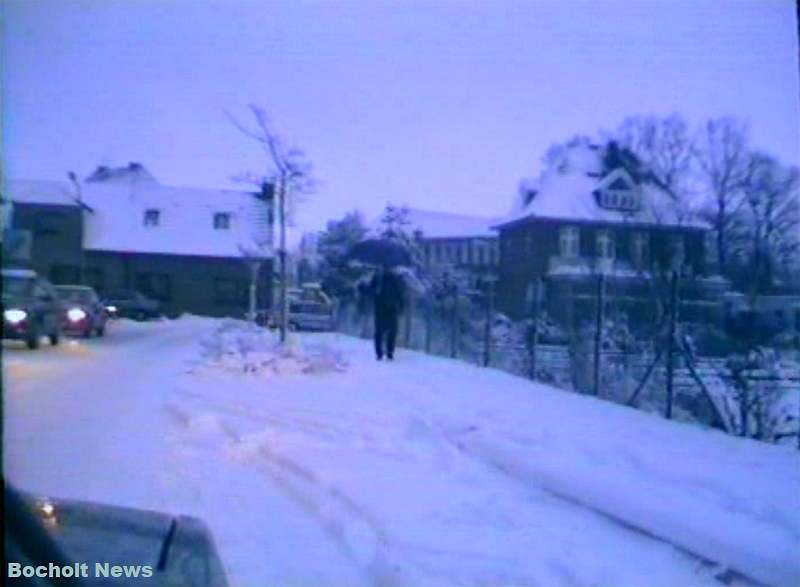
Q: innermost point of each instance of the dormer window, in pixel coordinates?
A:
(626, 200)
(222, 221)
(152, 217)
(618, 192)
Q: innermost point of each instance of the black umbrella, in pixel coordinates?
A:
(375, 251)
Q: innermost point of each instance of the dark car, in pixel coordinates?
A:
(31, 308)
(84, 313)
(99, 544)
(131, 304)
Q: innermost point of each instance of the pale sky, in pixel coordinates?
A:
(440, 105)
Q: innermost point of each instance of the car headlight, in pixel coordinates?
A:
(15, 316)
(76, 314)
(111, 309)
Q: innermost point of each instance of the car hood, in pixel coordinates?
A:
(70, 305)
(179, 549)
(16, 302)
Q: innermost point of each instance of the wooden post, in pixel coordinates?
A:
(598, 333)
(673, 319)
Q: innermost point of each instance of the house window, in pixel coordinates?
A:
(155, 285)
(48, 223)
(677, 251)
(65, 274)
(569, 241)
(152, 217)
(96, 278)
(640, 249)
(619, 199)
(222, 221)
(230, 291)
(606, 248)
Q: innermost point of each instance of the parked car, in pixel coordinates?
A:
(84, 313)
(31, 308)
(312, 316)
(105, 544)
(309, 309)
(131, 304)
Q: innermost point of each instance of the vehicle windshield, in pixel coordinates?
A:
(17, 286)
(74, 294)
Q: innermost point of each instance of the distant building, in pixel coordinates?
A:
(594, 209)
(120, 229)
(452, 242)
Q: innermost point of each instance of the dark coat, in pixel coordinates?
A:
(388, 291)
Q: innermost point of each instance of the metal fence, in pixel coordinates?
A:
(660, 373)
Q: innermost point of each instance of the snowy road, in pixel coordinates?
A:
(421, 472)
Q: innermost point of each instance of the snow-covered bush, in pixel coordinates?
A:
(242, 347)
(767, 394)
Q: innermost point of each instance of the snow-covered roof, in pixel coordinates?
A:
(434, 224)
(566, 190)
(58, 193)
(185, 224)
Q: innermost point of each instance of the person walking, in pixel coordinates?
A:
(389, 294)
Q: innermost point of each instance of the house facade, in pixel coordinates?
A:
(194, 250)
(589, 214)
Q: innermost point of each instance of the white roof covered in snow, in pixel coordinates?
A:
(565, 191)
(185, 217)
(435, 224)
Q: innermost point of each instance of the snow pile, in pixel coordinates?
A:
(241, 347)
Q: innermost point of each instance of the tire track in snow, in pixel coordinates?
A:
(359, 536)
(494, 459)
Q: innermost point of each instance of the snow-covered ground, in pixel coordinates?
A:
(424, 471)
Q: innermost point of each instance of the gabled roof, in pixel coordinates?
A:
(565, 191)
(186, 217)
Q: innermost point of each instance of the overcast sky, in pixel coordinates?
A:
(443, 105)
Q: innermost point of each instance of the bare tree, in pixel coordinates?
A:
(722, 156)
(665, 147)
(770, 219)
(290, 174)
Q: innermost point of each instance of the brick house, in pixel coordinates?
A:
(120, 229)
(594, 210)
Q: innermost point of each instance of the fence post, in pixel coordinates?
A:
(673, 319)
(537, 310)
(454, 324)
(409, 319)
(428, 322)
(598, 332)
(487, 333)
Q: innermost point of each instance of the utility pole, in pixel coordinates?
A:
(284, 302)
(82, 268)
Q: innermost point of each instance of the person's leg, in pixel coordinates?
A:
(391, 334)
(378, 335)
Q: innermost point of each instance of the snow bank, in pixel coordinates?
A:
(241, 347)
